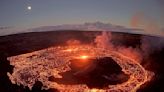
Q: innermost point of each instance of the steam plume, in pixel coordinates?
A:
(104, 40)
(151, 44)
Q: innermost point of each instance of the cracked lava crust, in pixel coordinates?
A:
(78, 68)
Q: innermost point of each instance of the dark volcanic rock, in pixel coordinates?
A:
(16, 44)
(97, 73)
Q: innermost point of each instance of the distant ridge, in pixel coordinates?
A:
(95, 26)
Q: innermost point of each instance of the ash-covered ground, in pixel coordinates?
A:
(152, 49)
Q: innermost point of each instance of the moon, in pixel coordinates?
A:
(29, 7)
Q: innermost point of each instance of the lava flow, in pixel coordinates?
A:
(40, 65)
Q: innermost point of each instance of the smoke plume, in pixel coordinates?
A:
(150, 26)
(104, 40)
(148, 45)
(73, 42)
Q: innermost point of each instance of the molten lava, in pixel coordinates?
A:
(84, 57)
(40, 65)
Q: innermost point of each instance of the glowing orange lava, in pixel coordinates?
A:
(40, 65)
(84, 57)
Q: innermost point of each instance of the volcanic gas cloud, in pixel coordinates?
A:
(74, 67)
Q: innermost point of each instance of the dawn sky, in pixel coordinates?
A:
(35, 13)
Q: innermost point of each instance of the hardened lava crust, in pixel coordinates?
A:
(42, 64)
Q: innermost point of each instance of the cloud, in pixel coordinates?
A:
(5, 27)
(150, 27)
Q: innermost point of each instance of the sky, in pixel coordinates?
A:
(34, 13)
